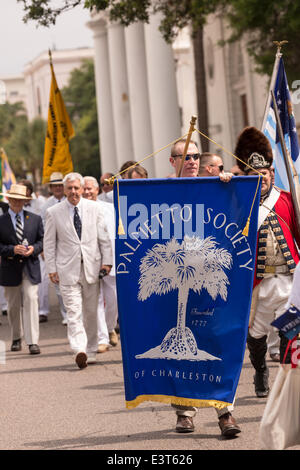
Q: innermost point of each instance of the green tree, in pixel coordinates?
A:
(10, 116)
(80, 101)
(25, 149)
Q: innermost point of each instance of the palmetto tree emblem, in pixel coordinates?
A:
(195, 264)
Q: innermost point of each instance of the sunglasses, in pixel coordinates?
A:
(194, 156)
(221, 167)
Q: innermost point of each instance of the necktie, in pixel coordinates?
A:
(19, 229)
(77, 222)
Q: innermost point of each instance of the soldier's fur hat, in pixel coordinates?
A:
(253, 148)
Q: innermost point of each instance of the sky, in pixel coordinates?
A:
(20, 43)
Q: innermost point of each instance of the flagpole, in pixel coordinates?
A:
(278, 56)
(286, 162)
(187, 143)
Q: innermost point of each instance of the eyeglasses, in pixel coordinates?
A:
(194, 156)
(221, 167)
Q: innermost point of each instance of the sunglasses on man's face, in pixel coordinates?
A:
(194, 156)
(221, 167)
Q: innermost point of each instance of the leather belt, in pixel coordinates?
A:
(282, 269)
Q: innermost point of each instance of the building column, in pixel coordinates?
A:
(139, 98)
(120, 93)
(108, 153)
(164, 109)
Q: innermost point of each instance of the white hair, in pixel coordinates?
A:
(73, 177)
(91, 178)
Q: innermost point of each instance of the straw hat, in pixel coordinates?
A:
(16, 191)
(56, 178)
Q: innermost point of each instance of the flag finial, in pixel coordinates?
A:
(279, 44)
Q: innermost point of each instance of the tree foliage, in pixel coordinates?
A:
(80, 100)
(260, 22)
(11, 115)
(25, 149)
(24, 141)
(17, 137)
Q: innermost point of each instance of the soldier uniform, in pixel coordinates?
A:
(276, 256)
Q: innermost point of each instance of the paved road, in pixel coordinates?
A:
(49, 404)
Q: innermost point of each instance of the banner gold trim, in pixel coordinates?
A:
(177, 401)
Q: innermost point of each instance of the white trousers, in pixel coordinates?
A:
(3, 301)
(44, 293)
(23, 305)
(60, 301)
(81, 302)
(107, 309)
(273, 295)
(43, 289)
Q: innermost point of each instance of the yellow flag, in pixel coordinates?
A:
(57, 155)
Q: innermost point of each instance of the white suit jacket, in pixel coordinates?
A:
(63, 250)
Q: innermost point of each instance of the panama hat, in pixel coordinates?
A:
(56, 178)
(16, 191)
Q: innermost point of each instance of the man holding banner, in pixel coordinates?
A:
(277, 253)
(207, 164)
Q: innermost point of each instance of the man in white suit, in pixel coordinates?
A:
(108, 305)
(77, 247)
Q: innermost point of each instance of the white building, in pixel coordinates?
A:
(37, 76)
(12, 89)
(146, 91)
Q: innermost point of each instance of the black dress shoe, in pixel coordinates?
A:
(34, 349)
(4, 313)
(16, 345)
(43, 319)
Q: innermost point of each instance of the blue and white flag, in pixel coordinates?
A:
(288, 124)
(184, 274)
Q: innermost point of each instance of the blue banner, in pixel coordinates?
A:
(184, 274)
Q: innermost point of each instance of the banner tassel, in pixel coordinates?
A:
(121, 230)
(246, 228)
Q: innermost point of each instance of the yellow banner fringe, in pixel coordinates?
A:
(177, 401)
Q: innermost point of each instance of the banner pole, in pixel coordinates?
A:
(187, 143)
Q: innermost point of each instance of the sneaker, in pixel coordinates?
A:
(113, 338)
(184, 424)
